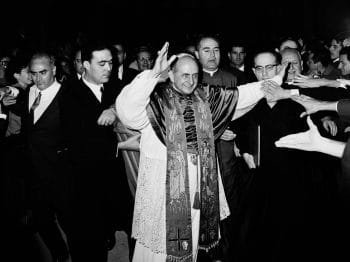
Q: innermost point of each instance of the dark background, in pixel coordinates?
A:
(134, 21)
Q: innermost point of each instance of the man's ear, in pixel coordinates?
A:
(196, 54)
(54, 70)
(253, 69)
(86, 65)
(279, 67)
(171, 75)
(16, 75)
(229, 55)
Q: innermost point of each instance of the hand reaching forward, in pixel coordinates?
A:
(330, 126)
(2, 94)
(273, 91)
(311, 105)
(162, 63)
(306, 82)
(282, 70)
(310, 140)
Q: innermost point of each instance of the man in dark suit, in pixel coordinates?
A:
(99, 190)
(123, 72)
(237, 55)
(41, 130)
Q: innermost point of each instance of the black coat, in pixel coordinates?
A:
(99, 181)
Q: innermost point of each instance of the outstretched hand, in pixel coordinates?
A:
(311, 105)
(310, 140)
(2, 94)
(162, 63)
(306, 82)
(273, 91)
(282, 70)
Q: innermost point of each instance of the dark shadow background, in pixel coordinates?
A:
(134, 21)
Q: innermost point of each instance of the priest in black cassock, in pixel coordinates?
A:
(281, 191)
(234, 173)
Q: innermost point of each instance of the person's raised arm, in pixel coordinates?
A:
(132, 101)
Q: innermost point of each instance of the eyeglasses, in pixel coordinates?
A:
(267, 68)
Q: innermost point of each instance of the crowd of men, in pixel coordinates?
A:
(177, 149)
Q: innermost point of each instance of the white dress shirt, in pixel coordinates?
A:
(120, 72)
(96, 89)
(47, 95)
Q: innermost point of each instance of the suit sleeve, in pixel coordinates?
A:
(343, 108)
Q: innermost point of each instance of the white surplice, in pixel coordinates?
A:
(149, 227)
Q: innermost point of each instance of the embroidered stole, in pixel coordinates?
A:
(178, 206)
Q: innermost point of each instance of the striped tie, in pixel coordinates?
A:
(35, 105)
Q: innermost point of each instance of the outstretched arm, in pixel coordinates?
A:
(250, 94)
(311, 140)
(306, 82)
(132, 101)
(312, 105)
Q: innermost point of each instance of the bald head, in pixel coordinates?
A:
(184, 74)
(183, 59)
(289, 43)
(291, 52)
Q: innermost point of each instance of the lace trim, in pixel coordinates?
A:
(149, 212)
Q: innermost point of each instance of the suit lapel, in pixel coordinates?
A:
(87, 93)
(48, 107)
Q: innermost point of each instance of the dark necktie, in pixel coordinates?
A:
(34, 106)
(102, 96)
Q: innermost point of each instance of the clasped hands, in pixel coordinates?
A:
(273, 91)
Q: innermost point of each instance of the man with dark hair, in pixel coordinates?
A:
(98, 192)
(335, 47)
(122, 72)
(209, 56)
(320, 64)
(238, 63)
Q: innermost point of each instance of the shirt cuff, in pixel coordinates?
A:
(3, 116)
(277, 79)
(341, 84)
(294, 92)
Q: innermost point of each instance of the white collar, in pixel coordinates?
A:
(211, 73)
(47, 90)
(92, 85)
